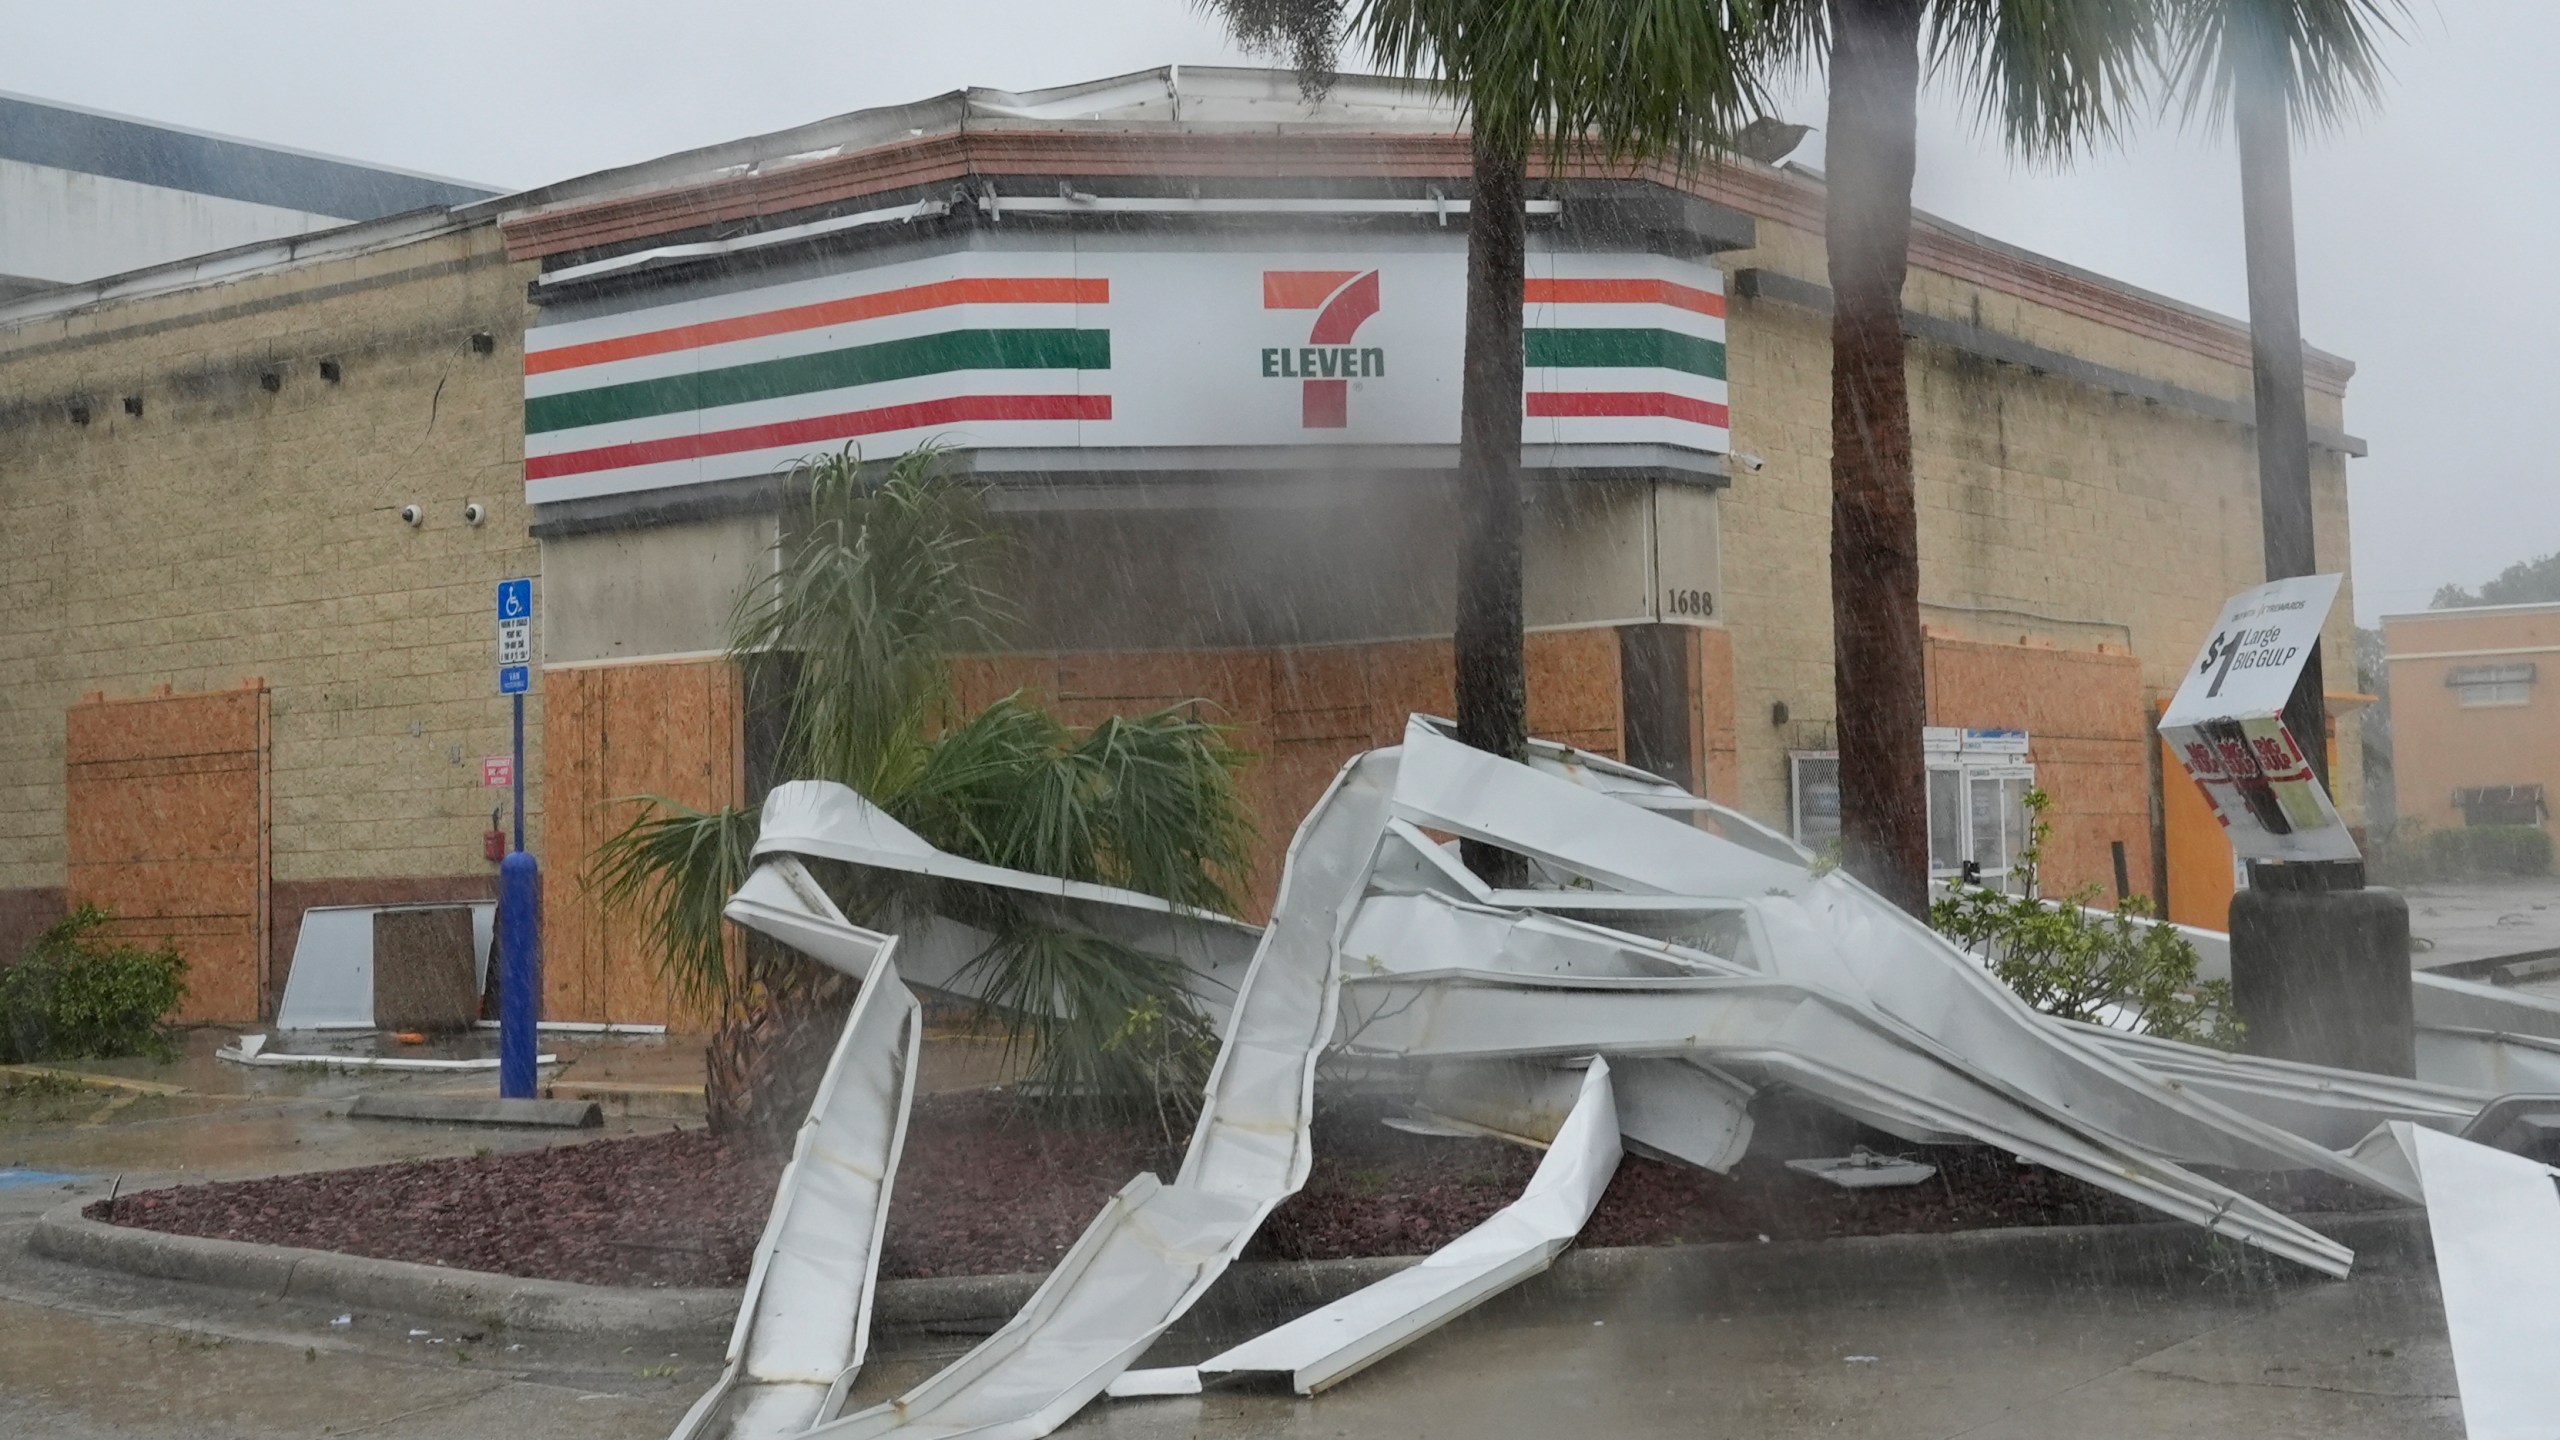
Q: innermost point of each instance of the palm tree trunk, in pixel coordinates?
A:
(762, 1067)
(761, 1070)
(1879, 685)
(1492, 689)
(2260, 119)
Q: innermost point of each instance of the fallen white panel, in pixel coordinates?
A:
(248, 1054)
(1329, 1345)
(1863, 1169)
(584, 1027)
(1848, 1058)
(1677, 1109)
(2483, 1037)
(329, 985)
(2335, 1108)
(1670, 1108)
(1832, 934)
(1157, 1248)
(805, 1319)
(2495, 1218)
(1169, 1380)
(2495, 1060)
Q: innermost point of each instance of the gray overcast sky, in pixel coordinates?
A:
(2424, 229)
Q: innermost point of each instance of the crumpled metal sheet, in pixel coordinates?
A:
(832, 821)
(1693, 952)
(1779, 1032)
(1668, 1107)
(2495, 1220)
(2334, 1108)
(804, 1322)
(1157, 1248)
(1831, 935)
(1330, 1344)
(2485, 1038)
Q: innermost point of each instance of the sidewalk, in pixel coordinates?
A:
(198, 1118)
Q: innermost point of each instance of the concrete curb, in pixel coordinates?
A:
(397, 1286)
(476, 1110)
(910, 1313)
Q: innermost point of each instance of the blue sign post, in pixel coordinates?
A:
(519, 875)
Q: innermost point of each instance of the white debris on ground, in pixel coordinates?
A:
(1672, 957)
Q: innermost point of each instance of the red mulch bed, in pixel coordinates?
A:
(983, 1189)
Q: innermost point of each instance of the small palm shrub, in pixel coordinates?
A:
(879, 586)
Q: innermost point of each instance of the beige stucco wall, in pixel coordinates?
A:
(229, 532)
(2038, 495)
(2438, 744)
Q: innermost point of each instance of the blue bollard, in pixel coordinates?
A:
(519, 973)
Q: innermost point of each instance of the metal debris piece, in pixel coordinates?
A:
(816, 817)
(1669, 958)
(804, 1322)
(1157, 1248)
(2483, 1038)
(1864, 1169)
(1171, 1380)
(1329, 1345)
(2495, 1219)
(329, 985)
(251, 1050)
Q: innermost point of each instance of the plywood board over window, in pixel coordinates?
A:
(165, 822)
(667, 728)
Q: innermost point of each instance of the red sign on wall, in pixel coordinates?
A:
(498, 772)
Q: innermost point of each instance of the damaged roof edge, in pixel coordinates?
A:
(1192, 101)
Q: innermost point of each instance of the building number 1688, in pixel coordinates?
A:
(1689, 602)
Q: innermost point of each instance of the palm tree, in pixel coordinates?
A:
(2052, 76)
(1619, 78)
(880, 585)
(2275, 66)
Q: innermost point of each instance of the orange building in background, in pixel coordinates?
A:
(2475, 733)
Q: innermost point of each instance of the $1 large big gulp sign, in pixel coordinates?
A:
(2227, 727)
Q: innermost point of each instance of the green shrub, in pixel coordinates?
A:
(77, 995)
(2411, 854)
(2066, 961)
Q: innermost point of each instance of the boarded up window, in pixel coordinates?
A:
(165, 822)
(609, 733)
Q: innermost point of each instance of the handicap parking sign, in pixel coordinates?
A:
(515, 636)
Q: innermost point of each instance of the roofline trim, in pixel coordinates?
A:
(2451, 612)
(1000, 148)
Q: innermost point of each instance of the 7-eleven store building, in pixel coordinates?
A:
(1202, 343)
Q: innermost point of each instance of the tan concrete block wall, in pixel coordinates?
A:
(228, 532)
(2040, 499)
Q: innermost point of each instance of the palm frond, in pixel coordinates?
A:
(675, 867)
(2051, 76)
(880, 584)
(1150, 803)
(2326, 53)
(1107, 1027)
(1625, 77)
(1305, 33)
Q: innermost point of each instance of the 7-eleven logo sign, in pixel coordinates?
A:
(1328, 362)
